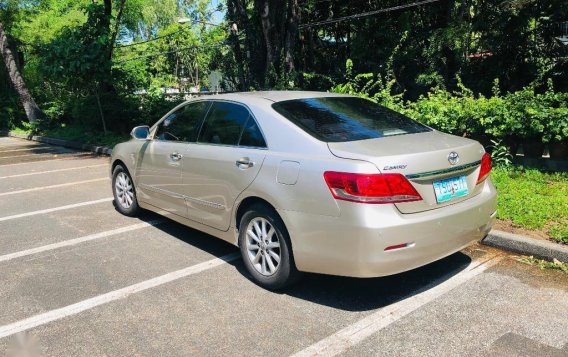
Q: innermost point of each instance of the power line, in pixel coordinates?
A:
(365, 14)
(220, 44)
(151, 39)
(168, 35)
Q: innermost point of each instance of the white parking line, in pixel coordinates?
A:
(55, 209)
(52, 171)
(70, 242)
(52, 186)
(25, 149)
(88, 304)
(353, 334)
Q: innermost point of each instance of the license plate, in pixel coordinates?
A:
(450, 188)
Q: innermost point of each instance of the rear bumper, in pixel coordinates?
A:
(354, 243)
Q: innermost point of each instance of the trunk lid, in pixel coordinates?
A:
(423, 159)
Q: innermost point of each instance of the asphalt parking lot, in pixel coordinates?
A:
(79, 279)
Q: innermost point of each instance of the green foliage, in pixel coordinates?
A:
(79, 55)
(500, 154)
(316, 81)
(524, 114)
(10, 113)
(526, 197)
(543, 264)
(75, 132)
(559, 233)
(476, 69)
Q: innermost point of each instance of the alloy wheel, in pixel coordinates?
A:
(124, 190)
(263, 246)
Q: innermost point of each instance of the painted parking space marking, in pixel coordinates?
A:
(69, 310)
(55, 209)
(53, 186)
(70, 242)
(355, 333)
(52, 171)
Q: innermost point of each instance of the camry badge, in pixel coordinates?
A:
(453, 158)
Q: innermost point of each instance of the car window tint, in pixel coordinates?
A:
(224, 124)
(340, 119)
(252, 136)
(183, 124)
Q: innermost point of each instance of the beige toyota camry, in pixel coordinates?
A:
(309, 182)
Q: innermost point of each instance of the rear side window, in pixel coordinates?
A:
(224, 124)
(231, 124)
(252, 136)
(183, 124)
(340, 119)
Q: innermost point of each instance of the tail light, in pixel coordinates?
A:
(370, 188)
(485, 168)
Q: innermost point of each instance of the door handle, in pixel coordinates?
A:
(176, 156)
(244, 163)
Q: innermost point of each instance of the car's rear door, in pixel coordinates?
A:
(225, 160)
(161, 160)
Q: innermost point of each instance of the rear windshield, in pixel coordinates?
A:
(340, 119)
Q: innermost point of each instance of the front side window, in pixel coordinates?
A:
(341, 119)
(230, 124)
(183, 124)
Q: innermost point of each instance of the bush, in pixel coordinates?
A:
(11, 113)
(507, 118)
(315, 81)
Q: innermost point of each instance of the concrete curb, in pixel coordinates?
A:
(96, 149)
(527, 246)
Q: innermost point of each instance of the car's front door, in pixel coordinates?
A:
(225, 160)
(161, 160)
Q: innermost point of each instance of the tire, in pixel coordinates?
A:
(124, 192)
(260, 257)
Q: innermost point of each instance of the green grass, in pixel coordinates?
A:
(533, 200)
(543, 264)
(76, 133)
(21, 130)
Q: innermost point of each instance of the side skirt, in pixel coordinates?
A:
(229, 236)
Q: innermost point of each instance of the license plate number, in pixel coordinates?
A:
(450, 189)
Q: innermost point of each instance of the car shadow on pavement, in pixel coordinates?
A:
(197, 239)
(344, 293)
(363, 294)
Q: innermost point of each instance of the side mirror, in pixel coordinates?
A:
(140, 132)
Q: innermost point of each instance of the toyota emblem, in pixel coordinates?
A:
(453, 158)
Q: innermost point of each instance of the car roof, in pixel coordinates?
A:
(273, 96)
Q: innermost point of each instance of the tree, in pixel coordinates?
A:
(33, 112)
(270, 28)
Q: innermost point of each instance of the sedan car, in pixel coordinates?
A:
(309, 182)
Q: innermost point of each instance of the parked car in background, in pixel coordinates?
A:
(309, 182)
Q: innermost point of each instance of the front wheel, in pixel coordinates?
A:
(266, 249)
(123, 192)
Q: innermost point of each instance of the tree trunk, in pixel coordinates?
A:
(265, 21)
(114, 34)
(101, 112)
(237, 14)
(291, 34)
(32, 110)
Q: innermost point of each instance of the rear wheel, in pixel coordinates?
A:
(124, 192)
(266, 249)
